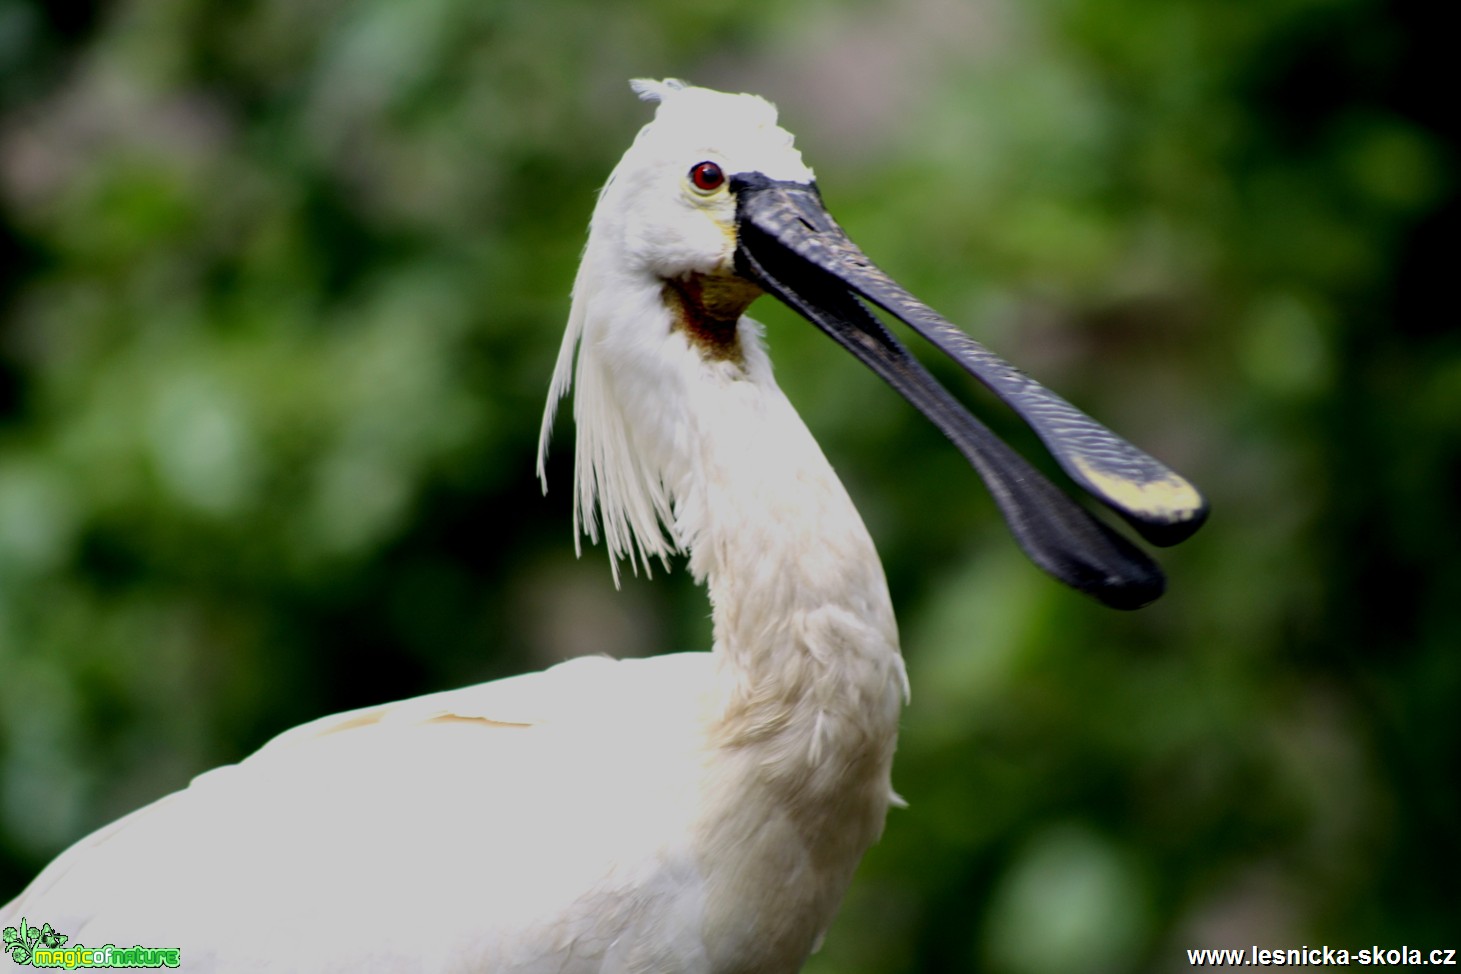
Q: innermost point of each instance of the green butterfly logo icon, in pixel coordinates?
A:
(21, 942)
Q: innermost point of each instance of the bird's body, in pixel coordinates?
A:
(537, 824)
(699, 813)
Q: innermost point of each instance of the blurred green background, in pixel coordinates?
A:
(281, 283)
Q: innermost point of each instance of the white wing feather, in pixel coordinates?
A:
(514, 827)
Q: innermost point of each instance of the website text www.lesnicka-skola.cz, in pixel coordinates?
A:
(1373, 956)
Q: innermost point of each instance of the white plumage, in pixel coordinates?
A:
(701, 812)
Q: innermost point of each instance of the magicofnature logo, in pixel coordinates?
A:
(43, 946)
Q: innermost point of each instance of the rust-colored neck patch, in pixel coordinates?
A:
(706, 307)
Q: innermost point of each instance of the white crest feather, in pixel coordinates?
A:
(613, 484)
(651, 90)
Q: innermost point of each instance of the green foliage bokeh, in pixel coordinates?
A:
(281, 285)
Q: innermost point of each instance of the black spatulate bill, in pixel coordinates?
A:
(792, 248)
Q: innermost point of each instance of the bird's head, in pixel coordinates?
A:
(713, 206)
(669, 208)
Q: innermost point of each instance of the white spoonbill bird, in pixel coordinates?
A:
(685, 814)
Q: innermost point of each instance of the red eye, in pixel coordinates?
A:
(707, 177)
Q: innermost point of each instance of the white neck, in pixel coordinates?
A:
(803, 624)
(802, 617)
